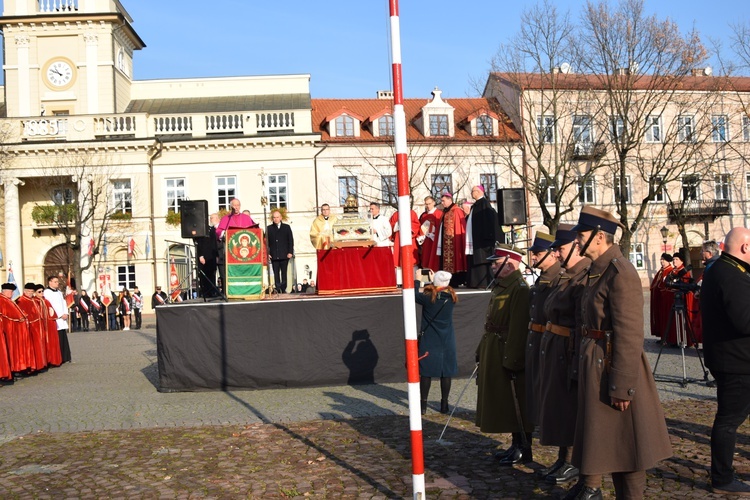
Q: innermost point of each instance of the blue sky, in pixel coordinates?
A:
(344, 44)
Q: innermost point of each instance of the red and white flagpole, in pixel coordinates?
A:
(407, 258)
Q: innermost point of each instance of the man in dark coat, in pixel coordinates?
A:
(542, 259)
(620, 428)
(207, 251)
(725, 306)
(558, 360)
(482, 231)
(501, 355)
(280, 249)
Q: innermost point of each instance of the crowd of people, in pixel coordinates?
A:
(116, 311)
(565, 356)
(34, 329)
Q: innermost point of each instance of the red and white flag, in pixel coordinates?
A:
(92, 244)
(174, 281)
(131, 246)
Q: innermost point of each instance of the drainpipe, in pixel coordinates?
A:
(315, 167)
(155, 151)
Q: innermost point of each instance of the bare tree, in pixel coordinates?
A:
(80, 205)
(532, 80)
(640, 67)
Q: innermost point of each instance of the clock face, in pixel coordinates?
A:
(59, 73)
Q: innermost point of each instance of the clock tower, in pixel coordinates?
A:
(67, 57)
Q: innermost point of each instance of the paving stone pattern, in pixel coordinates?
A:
(98, 428)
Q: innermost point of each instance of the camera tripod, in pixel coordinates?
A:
(684, 332)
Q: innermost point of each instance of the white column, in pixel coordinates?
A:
(92, 72)
(88, 277)
(24, 77)
(13, 247)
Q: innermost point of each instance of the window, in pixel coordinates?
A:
(484, 125)
(719, 131)
(226, 189)
(175, 193)
(438, 125)
(653, 129)
(549, 191)
(126, 277)
(344, 126)
(617, 129)
(586, 192)
(122, 196)
(657, 183)
(385, 125)
(746, 128)
(636, 255)
(685, 129)
(690, 185)
(440, 184)
(582, 133)
(747, 186)
(277, 191)
(347, 186)
(721, 183)
(545, 124)
(489, 183)
(622, 194)
(63, 196)
(389, 190)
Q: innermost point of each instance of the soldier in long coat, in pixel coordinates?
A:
(620, 428)
(542, 259)
(558, 360)
(501, 356)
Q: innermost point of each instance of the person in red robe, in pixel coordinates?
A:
(416, 232)
(37, 329)
(16, 330)
(681, 274)
(430, 222)
(5, 373)
(49, 318)
(661, 298)
(452, 240)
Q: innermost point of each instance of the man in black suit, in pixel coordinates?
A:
(207, 252)
(484, 230)
(725, 310)
(280, 249)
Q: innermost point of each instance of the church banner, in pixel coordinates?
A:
(245, 258)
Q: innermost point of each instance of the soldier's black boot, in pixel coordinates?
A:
(589, 494)
(518, 453)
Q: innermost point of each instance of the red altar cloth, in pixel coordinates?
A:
(350, 270)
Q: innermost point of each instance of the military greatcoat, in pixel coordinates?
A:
(558, 362)
(500, 354)
(544, 285)
(606, 439)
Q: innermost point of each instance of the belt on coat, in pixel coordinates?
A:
(500, 331)
(596, 334)
(563, 331)
(536, 327)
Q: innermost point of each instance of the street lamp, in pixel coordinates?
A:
(664, 234)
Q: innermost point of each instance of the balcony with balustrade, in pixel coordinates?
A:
(697, 211)
(586, 150)
(178, 126)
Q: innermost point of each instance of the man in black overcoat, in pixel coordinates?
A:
(483, 229)
(280, 249)
(207, 252)
(725, 309)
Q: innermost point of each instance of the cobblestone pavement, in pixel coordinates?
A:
(97, 428)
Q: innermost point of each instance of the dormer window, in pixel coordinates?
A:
(484, 125)
(436, 118)
(385, 125)
(438, 125)
(344, 126)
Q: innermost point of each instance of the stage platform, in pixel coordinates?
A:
(299, 341)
